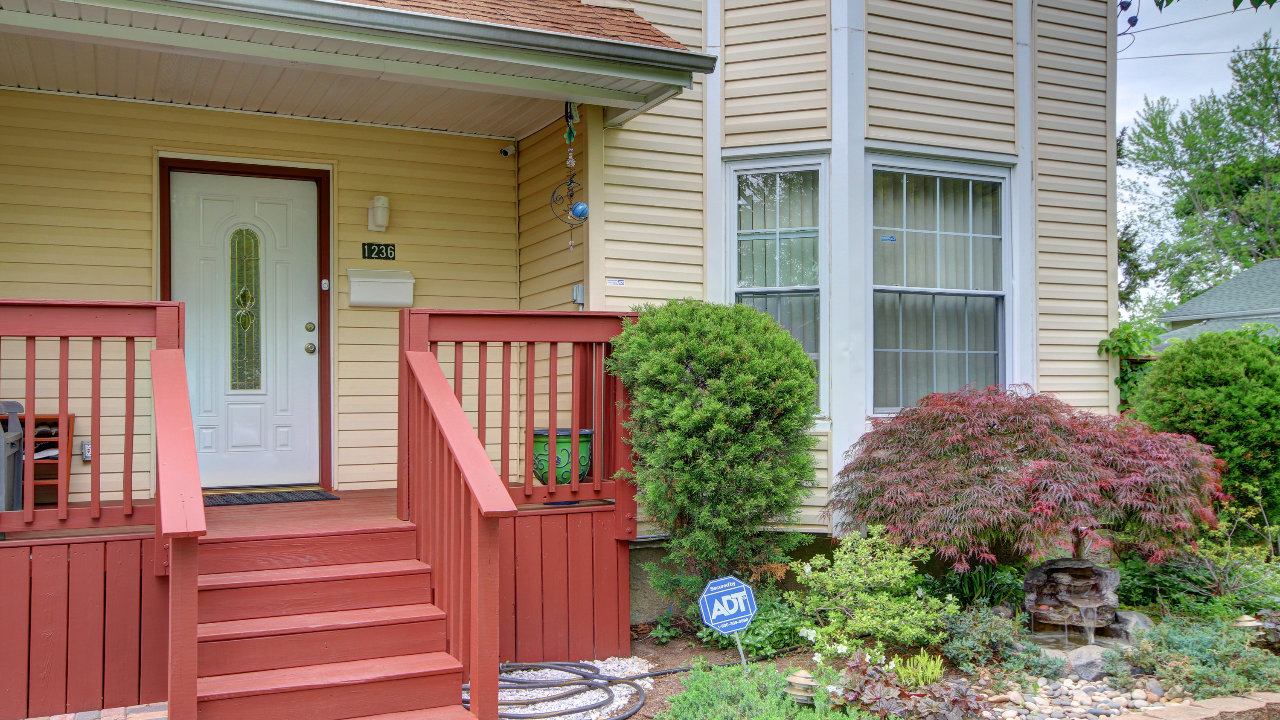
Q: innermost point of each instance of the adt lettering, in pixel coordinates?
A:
(729, 604)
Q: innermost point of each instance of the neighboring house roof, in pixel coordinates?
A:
(570, 17)
(1254, 292)
(1215, 325)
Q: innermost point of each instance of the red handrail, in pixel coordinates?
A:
(456, 499)
(180, 522)
(488, 490)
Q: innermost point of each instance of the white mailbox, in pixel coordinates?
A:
(380, 288)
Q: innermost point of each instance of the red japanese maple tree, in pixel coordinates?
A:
(974, 472)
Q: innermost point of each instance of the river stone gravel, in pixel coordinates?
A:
(614, 666)
(1074, 698)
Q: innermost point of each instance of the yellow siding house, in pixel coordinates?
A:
(922, 192)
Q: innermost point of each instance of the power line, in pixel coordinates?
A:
(1188, 54)
(1180, 22)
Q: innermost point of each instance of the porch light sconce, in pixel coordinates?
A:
(379, 213)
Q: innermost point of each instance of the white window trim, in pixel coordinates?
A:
(1018, 249)
(730, 249)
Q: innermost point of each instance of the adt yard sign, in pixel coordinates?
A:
(728, 605)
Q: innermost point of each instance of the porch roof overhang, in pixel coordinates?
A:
(355, 63)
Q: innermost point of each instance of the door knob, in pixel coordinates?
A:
(310, 348)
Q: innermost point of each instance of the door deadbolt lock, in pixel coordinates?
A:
(310, 348)
(309, 327)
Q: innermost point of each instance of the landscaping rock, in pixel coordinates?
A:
(1127, 623)
(1235, 708)
(1087, 661)
(1270, 700)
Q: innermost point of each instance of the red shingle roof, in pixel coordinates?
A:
(570, 17)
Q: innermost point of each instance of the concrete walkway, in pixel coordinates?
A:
(158, 711)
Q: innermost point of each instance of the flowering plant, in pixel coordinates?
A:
(867, 594)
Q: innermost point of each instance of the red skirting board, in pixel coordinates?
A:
(565, 585)
(81, 622)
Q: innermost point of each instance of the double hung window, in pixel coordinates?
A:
(938, 289)
(777, 229)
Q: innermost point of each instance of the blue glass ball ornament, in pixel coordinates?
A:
(579, 211)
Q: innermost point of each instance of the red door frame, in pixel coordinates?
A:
(323, 183)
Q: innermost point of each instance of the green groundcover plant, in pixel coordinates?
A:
(722, 400)
(730, 693)
(1207, 659)
(979, 637)
(1224, 390)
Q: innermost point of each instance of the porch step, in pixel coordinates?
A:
(226, 556)
(455, 712)
(236, 646)
(334, 691)
(313, 589)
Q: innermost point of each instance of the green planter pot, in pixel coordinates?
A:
(564, 455)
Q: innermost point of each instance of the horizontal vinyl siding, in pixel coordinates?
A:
(1074, 153)
(77, 185)
(548, 266)
(941, 74)
(654, 185)
(776, 72)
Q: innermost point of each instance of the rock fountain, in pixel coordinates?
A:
(1071, 595)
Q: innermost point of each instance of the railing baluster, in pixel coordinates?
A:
(458, 371)
(64, 441)
(506, 413)
(95, 439)
(130, 356)
(482, 394)
(597, 416)
(553, 390)
(575, 421)
(528, 418)
(29, 439)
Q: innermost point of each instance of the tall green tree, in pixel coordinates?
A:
(1218, 166)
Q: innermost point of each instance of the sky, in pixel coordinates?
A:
(1184, 78)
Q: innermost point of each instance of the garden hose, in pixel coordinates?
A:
(589, 678)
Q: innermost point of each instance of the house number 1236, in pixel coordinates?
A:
(378, 251)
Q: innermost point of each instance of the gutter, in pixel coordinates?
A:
(1214, 316)
(403, 22)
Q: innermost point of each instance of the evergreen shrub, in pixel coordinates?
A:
(722, 400)
(1224, 390)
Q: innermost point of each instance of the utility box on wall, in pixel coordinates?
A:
(380, 288)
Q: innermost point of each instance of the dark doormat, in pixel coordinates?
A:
(263, 498)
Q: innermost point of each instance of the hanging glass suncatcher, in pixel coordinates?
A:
(565, 204)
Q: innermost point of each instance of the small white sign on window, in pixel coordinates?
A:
(888, 238)
(615, 282)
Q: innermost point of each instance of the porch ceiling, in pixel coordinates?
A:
(183, 54)
(136, 73)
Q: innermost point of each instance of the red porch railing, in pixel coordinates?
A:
(61, 358)
(507, 378)
(82, 358)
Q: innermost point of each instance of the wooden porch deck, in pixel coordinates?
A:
(356, 511)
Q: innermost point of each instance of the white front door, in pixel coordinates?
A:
(243, 253)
